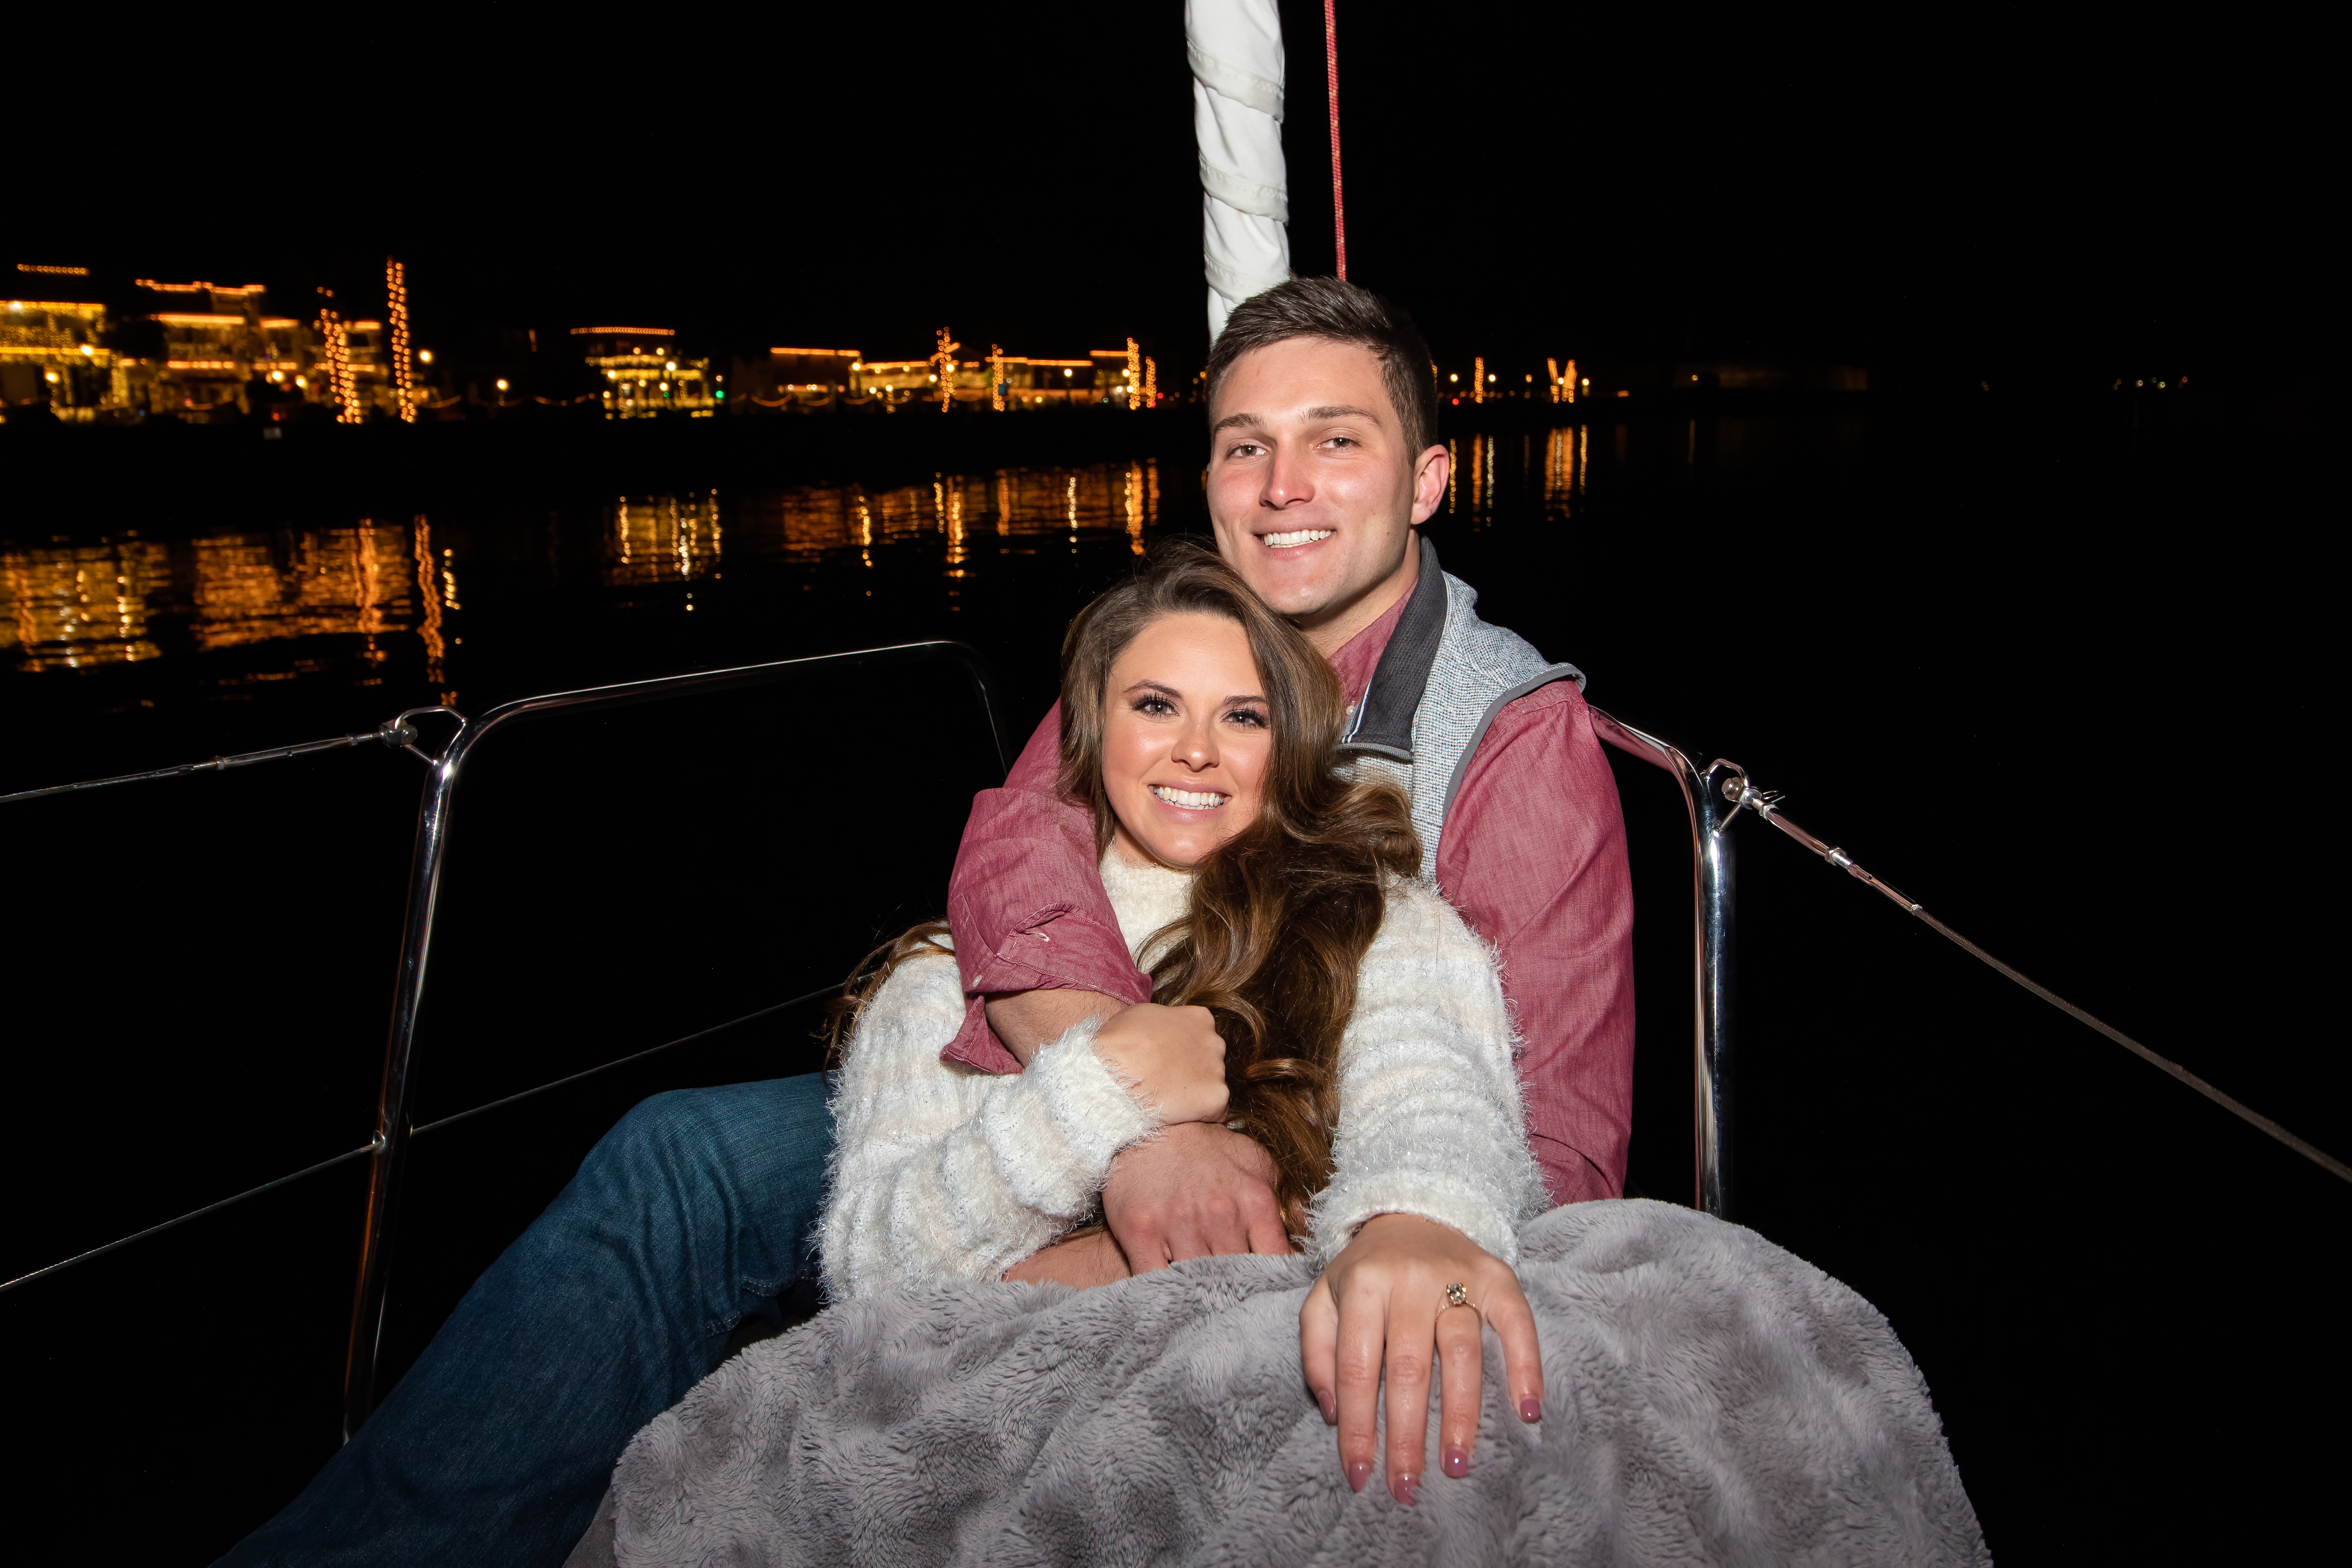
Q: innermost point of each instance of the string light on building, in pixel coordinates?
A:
(334, 337)
(1552, 377)
(1478, 379)
(1568, 381)
(944, 358)
(1134, 375)
(403, 371)
(1151, 382)
(996, 383)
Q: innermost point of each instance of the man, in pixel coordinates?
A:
(693, 1214)
(1323, 463)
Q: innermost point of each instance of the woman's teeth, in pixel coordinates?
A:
(1199, 800)
(1304, 536)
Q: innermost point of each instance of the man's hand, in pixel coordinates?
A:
(1198, 1190)
(1088, 1259)
(1385, 1297)
(1171, 1056)
(1171, 1059)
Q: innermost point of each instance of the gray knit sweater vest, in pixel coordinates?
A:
(1442, 679)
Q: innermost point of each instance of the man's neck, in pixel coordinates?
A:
(1330, 635)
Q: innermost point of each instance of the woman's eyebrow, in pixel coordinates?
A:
(1237, 702)
(1159, 686)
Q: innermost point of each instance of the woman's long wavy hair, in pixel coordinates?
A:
(1280, 915)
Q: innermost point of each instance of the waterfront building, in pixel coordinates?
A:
(55, 343)
(643, 374)
(1123, 377)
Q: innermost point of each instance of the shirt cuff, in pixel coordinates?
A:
(1054, 1137)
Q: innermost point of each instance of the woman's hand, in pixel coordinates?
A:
(1084, 1258)
(1385, 1297)
(1172, 1058)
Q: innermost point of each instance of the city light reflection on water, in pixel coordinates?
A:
(384, 600)
(374, 583)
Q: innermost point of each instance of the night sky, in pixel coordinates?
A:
(1973, 195)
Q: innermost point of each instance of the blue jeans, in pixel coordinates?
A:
(693, 1213)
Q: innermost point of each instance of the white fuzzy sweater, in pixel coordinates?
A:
(940, 1172)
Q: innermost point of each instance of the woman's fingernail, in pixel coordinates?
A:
(1458, 1462)
(1403, 1487)
(1532, 1409)
(1330, 1412)
(1358, 1474)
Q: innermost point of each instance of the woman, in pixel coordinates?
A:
(1716, 1399)
(1361, 1030)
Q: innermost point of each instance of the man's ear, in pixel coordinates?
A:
(1430, 471)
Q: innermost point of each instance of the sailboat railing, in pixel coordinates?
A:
(389, 1150)
(1711, 968)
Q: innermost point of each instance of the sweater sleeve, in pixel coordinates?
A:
(942, 1171)
(1430, 1120)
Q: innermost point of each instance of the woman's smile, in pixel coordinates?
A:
(1190, 799)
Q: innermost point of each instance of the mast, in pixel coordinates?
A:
(1235, 50)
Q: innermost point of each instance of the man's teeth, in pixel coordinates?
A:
(1199, 800)
(1304, 536)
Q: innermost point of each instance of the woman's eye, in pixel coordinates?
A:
(1156, 707)
(1252, 717)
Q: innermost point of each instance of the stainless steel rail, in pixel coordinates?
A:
(1711, 972)
(393, 1131)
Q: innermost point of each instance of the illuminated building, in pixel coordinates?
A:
(1006, 382)
(1478, 379)
(809, 375)
(402, 364)
(216, 343)
(643, 374)
(53, 347)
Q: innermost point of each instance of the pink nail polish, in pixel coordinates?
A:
(1458, 1463)
(1406, 1488)
(1358, 1474)
(1532, 1410)
(1330, 1413)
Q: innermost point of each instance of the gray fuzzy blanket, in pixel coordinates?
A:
(1710, 1399)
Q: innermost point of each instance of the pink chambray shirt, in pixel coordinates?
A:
(1533, 855)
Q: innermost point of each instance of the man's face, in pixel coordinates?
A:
(1312, 488)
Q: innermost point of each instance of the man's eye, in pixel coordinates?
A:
(1245, 449)
(1343, 441)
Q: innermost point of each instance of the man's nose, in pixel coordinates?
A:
(1288, 480)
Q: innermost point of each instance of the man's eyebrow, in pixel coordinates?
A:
(1343, 411)
(1240, 421)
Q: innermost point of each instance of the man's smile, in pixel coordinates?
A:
(1297, 537)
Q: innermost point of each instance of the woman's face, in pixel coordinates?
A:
(1186, 739)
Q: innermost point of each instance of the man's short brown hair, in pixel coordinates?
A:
(1338, 312)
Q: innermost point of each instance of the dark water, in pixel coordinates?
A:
(2028, 663)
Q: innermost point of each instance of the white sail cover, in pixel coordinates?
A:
(1236, 49)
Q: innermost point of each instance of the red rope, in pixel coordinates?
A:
(1332, 83)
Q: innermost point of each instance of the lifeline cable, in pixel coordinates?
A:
(395, 731)
(1331, 86)
(373, 1145)
(1765, 804)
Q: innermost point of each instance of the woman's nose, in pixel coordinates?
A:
(1196, 748)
